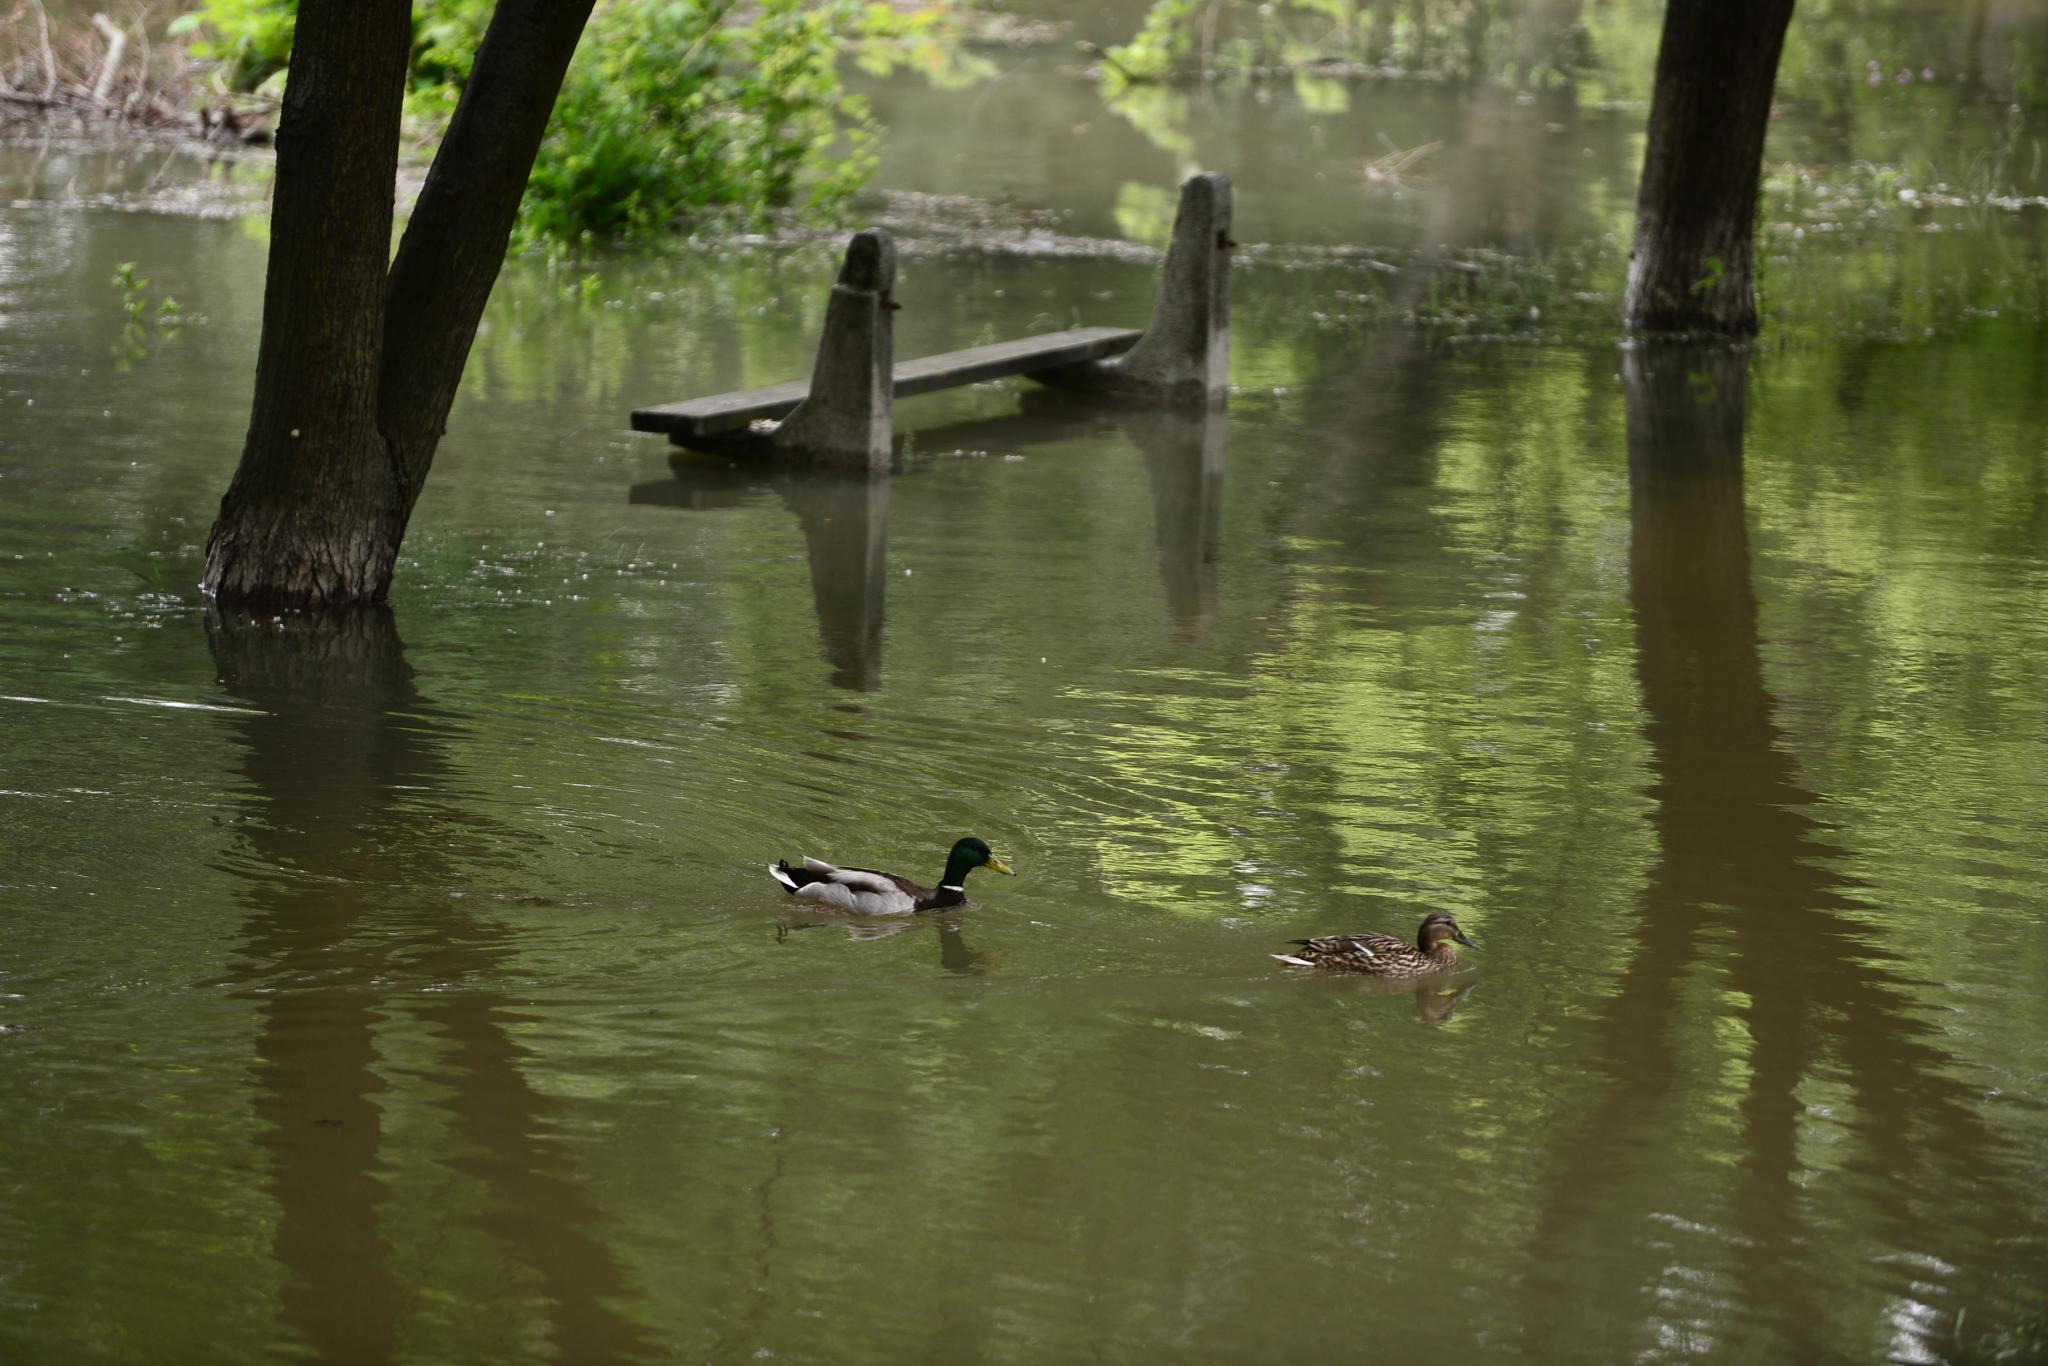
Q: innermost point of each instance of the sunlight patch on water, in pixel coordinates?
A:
(174, 705)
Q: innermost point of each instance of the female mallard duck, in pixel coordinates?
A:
(1382, 955)
(863, 891)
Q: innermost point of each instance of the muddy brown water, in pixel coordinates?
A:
(413, 990)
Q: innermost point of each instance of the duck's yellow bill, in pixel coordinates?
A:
(996, 865)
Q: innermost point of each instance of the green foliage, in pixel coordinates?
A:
(1834, 55)
(676, 113)
(445, 34)
(251, 39)
(1162, 43)
(144, 320)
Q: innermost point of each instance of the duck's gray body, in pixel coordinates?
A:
(869, 891)
(861, 891)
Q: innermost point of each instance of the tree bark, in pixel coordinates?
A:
(1717, 64)
(307, 520)
(359, 364)
(455, 241)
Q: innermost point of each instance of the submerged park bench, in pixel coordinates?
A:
(844, 414)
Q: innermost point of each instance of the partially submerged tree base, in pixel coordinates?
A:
(335, 655)
(297, 555)
(1717, 65)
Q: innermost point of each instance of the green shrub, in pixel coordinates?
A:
(251, 39)
(675, 113)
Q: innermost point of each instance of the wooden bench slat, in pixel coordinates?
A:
(722, 412)
(728, 412)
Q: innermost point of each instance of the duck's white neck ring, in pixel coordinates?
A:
(951, 887)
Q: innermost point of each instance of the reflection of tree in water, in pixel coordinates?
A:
(1742, 863)
(345, 771)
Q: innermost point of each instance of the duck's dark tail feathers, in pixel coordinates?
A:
(787, 876)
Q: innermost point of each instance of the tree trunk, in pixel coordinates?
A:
(359, 364)
(455, 240)
(308, 518)
(1696, 208)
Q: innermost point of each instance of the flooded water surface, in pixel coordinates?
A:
(411, 987)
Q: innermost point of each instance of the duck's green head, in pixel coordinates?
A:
(969, 854)
(1437, 927)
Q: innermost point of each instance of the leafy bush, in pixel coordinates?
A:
(251, 39)
(676, 113)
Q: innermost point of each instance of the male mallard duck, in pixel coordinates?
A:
(864, 891)
(1382, 955)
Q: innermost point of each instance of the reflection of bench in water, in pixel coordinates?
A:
(845, 518)
(844, 414)
(845, 513)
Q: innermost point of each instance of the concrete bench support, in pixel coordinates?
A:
(847, 420)
(1184, 355)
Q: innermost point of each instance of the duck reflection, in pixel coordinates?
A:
(1437, 1001)
(345, 767)
(1436, 998)
(955, 956)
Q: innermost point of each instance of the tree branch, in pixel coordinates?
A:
(49, 57)
(455, 241)
(117, 46)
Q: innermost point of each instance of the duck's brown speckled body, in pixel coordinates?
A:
(1382, 955)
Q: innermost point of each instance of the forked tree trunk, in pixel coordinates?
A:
(359, 364)
(1717, 65)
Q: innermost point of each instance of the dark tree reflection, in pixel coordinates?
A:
(1743, 881)
(346, 768)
